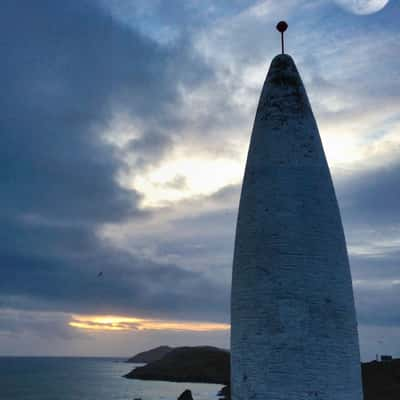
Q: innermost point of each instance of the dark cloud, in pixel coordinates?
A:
(67, 67)
(65, 72)
(372, 197)
(377, 287)
(375, 267)
(378, 304)
(14, 324)
(228, 193)
(149, 148)
(370, 211)
(179, 182)
(66, 279)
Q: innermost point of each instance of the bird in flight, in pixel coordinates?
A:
(100, 274)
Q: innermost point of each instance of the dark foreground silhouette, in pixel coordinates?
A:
(381, 380)
(202, 364)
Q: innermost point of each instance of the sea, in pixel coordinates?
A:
(67, 378)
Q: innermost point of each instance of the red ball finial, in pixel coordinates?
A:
(282, 26)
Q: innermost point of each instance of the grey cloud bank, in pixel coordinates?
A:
(68, 68)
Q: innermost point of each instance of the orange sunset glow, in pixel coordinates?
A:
(120, 323)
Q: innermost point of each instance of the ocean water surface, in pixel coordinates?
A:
(62, 378)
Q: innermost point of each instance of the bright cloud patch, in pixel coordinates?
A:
(183, 178)
(118, 323)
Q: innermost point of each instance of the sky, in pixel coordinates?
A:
(124, 131)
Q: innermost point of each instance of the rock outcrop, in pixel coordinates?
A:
(186, 395)
(224, 393)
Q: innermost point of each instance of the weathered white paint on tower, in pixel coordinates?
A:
(294, 331)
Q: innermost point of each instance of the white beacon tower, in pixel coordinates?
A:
(294, 330)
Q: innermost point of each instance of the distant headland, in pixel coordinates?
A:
(202, 364)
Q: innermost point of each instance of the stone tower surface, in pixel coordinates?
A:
(294, 331)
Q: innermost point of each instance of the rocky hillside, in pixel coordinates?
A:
(150, 355)
(187, 364)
